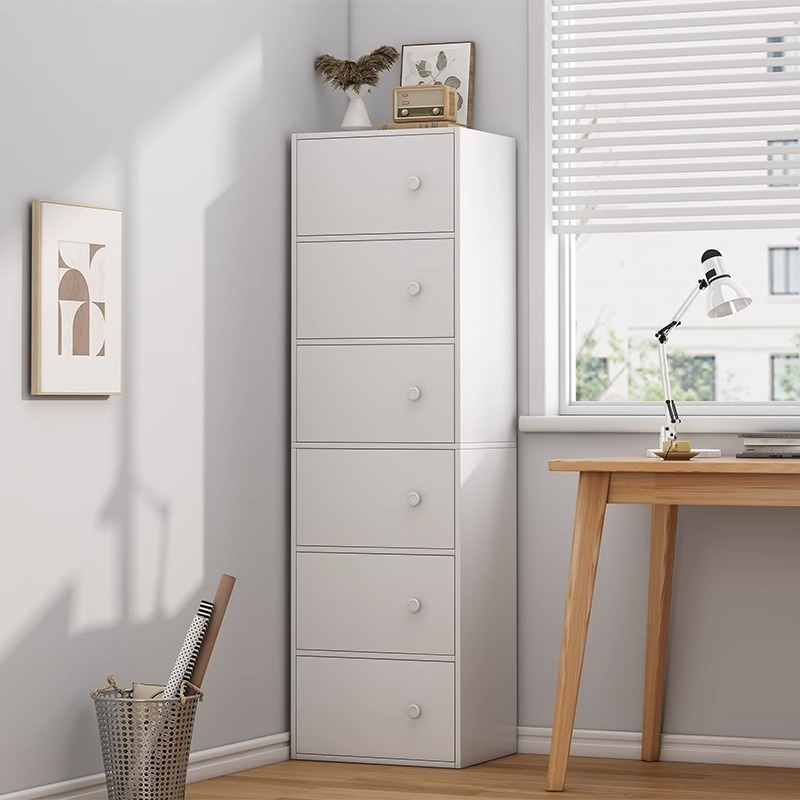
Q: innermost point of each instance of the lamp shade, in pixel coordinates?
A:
(726, 297)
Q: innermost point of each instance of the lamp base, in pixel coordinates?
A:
(701, 453)
(676, 446)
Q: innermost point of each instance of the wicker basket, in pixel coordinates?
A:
(145, 743)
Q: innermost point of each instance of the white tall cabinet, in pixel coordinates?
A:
(403, 627)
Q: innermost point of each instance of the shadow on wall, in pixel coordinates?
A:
(247, 379)
(121, 514)
(247, 432)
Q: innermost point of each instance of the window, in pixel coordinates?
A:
(784, 271)
(782, 153)
(674, 131)
(786, 64)
(786, 377)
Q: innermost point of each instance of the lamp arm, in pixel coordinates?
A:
(663, 333)
(669, 431)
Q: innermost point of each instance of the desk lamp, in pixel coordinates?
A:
(725, 297)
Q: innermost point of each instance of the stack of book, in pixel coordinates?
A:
(783, 444)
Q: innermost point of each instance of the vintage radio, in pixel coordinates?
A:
(424, 103)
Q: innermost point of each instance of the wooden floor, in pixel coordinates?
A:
(518, 777)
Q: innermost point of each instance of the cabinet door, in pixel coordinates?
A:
(375, 498)
(375, 184)
(375, 603)
(361, 290)
(375, 393)
(375, 708)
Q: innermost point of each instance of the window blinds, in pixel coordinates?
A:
(676, 116)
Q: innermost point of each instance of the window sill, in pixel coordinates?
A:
(598, 423)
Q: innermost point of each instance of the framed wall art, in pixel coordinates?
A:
(76, 300)
(450, 63)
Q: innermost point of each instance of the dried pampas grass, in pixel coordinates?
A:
(343, 74)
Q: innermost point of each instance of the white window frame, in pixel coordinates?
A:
(551, 301)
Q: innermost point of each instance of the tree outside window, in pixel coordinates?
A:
(635, 363)
(786, 377)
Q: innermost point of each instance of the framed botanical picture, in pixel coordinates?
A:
(451, 63)
(76, 300)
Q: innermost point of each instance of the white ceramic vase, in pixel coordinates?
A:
(356, 117)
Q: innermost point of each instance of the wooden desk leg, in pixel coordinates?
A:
(662, 557)
(590, 511)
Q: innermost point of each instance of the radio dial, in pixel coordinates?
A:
(403, 112)
(436, 111)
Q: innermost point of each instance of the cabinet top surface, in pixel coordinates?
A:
(748, 466)
(457, 131)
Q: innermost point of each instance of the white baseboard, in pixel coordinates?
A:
(203, 765)
(236, 757)
(674, 747)
(225, 760)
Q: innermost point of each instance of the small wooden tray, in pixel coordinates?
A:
(675, 455)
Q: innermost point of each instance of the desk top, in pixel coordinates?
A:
(745, 466)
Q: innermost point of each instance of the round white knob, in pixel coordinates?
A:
(414, 183)
(414, 393)
(403, 112)
(414, 711)
(436, 111)
(413, 605)
(414, 499)
(414, 288)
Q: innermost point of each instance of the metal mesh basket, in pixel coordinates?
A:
(145, 744)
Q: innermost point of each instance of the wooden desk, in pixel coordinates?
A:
(664, 485)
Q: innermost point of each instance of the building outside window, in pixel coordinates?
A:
(784, 270)
(782, 153)
(786, 65)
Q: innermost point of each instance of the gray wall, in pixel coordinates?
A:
(735, 633)
(119, 514)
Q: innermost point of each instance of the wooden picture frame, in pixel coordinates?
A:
(76, 300)
(449, 63)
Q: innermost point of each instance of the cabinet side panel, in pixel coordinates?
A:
(293, 296)
(487, 606)
(293, 606)
(486, 253)
(293, 459)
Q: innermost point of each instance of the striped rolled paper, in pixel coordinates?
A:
(144, 775)
(187, 657)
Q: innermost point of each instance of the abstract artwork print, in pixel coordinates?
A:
(76, 300)
(81, 299)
